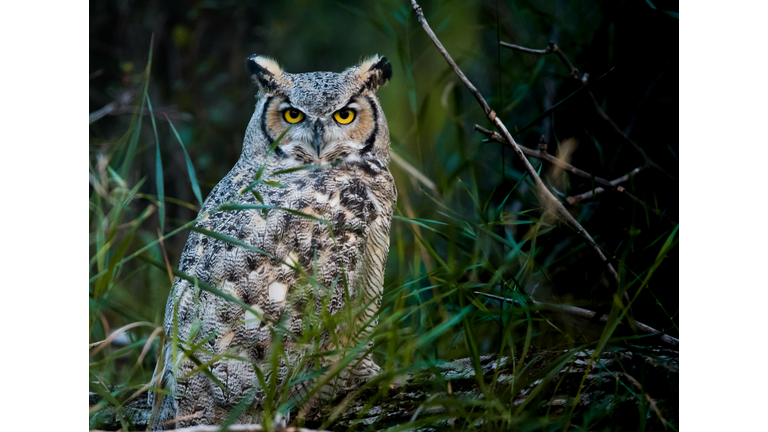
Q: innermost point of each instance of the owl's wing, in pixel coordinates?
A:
(212, 330)
(374, 254)
(199, 324)
(383, 195)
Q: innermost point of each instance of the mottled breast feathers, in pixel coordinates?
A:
(302, 230)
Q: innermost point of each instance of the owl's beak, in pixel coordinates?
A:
(318, 138)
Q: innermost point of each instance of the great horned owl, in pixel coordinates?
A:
(309, 214)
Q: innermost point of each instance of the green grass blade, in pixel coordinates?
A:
(442, 328)
(158, 170)
(190, 167)
(197, 282)
(227, 239)
(147, 247)
(134, 141)
(235, 207)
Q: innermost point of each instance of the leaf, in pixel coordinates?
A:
(228, 239)
(231, 207)
(245, 402)
(442, 328)
(128, 160)
(294, 169)
(198, 283)
(158, 170)
(147, 247)
(618, 310)
(674, 15)
(190, 167)
(255, 194)
(103, 282)
(206, 371)
(277, 141)
(474, 353)
(546, 375)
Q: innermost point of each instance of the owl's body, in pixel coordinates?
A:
(313, 245)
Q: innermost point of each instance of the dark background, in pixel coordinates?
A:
(199, 80)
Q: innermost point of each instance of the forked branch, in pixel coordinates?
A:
(543, 155)
(548, 200)
(616, 182)
(551, 48)
(582, 78)
(588, 315)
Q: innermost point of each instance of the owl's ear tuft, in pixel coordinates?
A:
(375, 72)
(264, 71)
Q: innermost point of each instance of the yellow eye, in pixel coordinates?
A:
(292, 115)
(344, 116)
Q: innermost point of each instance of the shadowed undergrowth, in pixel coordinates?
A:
(465, 225)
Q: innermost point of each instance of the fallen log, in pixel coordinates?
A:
(626, 386)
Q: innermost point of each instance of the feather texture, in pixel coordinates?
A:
(324, 233)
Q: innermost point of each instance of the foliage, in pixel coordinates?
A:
(468, 219)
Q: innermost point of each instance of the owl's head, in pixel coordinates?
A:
(331, 116)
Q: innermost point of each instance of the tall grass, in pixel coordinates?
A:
(480, 230)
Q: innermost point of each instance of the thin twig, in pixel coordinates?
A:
(543, 155)
(125, 98)
(611, 185)
(648, 398)
(551, 48)
(159, 113)
(582, 78)
(550, 202)
(146, 348)
(589, 194)
(526, 50)
(588, 315)
(101, 344)
(181, 419)
(122, 106)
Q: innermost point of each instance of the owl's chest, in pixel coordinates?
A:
(339, 199)
(313, 224)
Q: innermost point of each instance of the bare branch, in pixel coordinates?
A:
(543, 155)
(549, 200)
(526, 50)
(122, 106)
(588, 315)
(582, 78)
(101, 344)
(613, 185)
(589, 194)
(111, 107)
(159, 113)
(552, 48)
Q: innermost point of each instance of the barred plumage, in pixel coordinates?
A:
(336, 233)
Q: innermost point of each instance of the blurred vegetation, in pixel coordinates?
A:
(480, 228)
